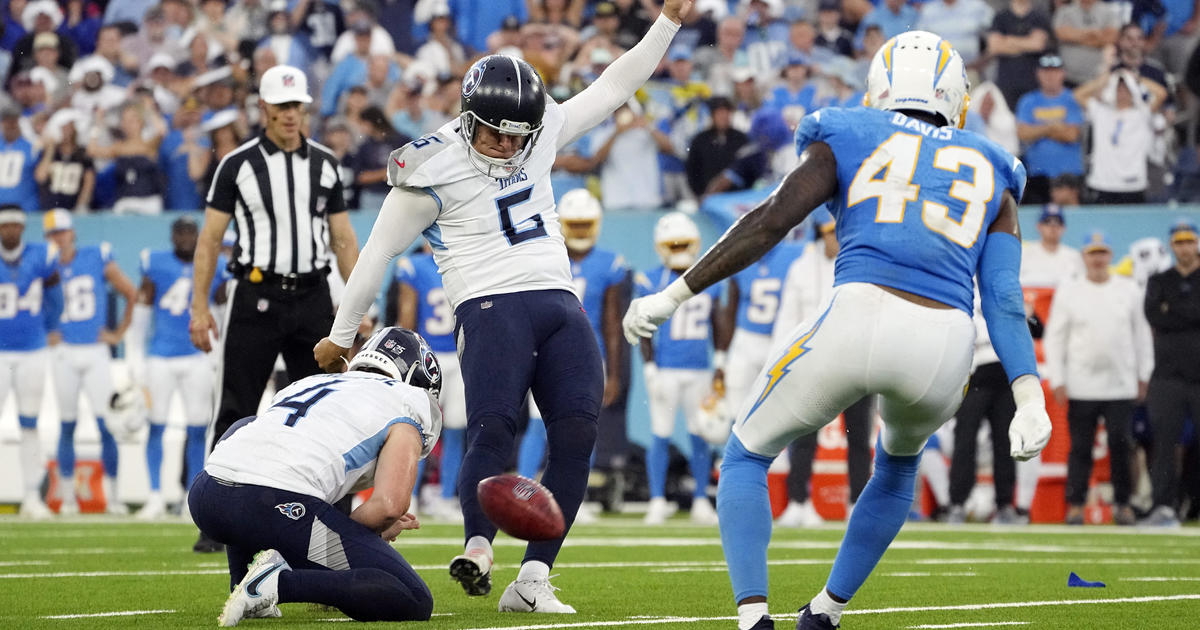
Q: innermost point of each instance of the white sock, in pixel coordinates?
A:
(155, 497)
(479, 542)
(823, 604)
(31, 461)
(108, 485)
(749, 614)
(66, 488)
(534, 570)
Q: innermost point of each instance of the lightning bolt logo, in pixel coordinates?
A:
(781, 367)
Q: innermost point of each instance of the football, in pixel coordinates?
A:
(521, 507)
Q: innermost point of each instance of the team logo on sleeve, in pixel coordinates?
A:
(294, 511)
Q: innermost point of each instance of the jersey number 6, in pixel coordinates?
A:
(515, 236)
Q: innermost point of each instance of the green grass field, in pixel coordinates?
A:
(66, 574)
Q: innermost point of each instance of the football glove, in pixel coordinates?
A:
(646, 313)
(1030, 428)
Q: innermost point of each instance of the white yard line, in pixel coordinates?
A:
(117, 613)
(1160, 579)
(23, 563)
(930, 574)
(982, 624)
(78, 574)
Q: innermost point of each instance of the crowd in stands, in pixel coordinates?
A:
(129, 105)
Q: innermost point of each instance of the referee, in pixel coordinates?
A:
(284, 195)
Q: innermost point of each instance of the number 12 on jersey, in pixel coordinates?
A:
(896, 159)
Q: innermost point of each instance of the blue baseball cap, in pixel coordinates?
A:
(679, 53)
(1183, 230)
(1096, 240)
(1052, 212)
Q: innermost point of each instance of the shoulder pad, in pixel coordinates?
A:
(406, 160)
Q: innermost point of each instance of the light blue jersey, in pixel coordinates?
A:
(435, 316)
(172, 280)
(593, 276)
(760, 285)
(914, 200)
(684, 340)
(85, 294)
(22, 291)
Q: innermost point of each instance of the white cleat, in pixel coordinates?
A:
(703, 512)
(33, 507)
(473, 570)
(535, 596)
(116, 508)
(800, 515)
(660, 510)
(154, 508)
(69, 507)
(257, 594)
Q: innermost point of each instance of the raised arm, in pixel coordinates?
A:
(623, 77)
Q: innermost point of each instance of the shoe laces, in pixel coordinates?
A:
(544, 584)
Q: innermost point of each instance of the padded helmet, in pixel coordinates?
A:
(403, 355)
(579, 213)
(506, 94)
(920, 71)
(677, 240)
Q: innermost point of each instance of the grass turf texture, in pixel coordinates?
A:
(622, 574)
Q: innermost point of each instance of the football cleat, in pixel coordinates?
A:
(808, 620)
(33, 507)
(258, 593)
(659, 511)
(152, 509)
(800, 515)
(764, 623)
(703, 512)
(536, 596)
(473, 570)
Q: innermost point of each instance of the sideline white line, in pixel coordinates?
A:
(118, 613)
(23, 563)
(982, 624)
(1160, 579)
(86, 551)
(78, 574)
(930, 574)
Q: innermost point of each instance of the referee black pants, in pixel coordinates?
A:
(265, 321)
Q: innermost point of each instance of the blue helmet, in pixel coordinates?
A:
(401, 354)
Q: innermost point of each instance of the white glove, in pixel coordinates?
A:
(646, 313)
(1030, 428)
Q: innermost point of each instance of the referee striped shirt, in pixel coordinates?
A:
(280, 202)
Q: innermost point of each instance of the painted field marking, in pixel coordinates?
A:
(87, 551)
(1160, 579)
(983, 624)
(117, 613)
(23, 563)
(78, 574)
(930, 574)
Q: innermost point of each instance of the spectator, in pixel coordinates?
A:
(17, 183)
(713, 149)
(203, 55)
(215, 90)
(13, 29)
(678, 106)
(42, 17)
(699, 28)
(337, 138)
(160, 79)
(758, 160)
(151, 38)
(844, 87)
(627, 158)
(717, 63)
(746, 97)
(134, 151)
(507, 40)
(442, 52)
(182, 158)
(292, 48)
(247, 19)
(1066, 191)
(891, 16)
(408, 112)
(830, 34)
(213, 24)
(127, 11)
(1049, 124)
(362, 20)
(356, 102)
(226, 131)
(47, 68)
(1173, 309)
(109, 48)
(1019, 35)
(350, 70)
(1122, 133)
(605, 23)
(996, 120)
(796, 96)
(82, 25)
(635, 21)
(1098, 356)
(1131, 54)
(65, 174)
(1047, 263)
(961, 22)
(92, 78)
(371, 159)
(320, 24)
(382, 76)
(1181, 34)
(1083, 28)
(802, 40)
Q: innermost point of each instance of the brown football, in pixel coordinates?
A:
(520, 507)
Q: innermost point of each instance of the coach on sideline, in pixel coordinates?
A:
(284, 194)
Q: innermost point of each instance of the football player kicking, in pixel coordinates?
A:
(269, 487)
(921, 207)
(479, 190)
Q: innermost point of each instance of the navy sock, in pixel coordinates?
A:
(154, 455)
(533, 448)
(701, 465)
(66, 449)
(452, 456)
(656, 465)
(362, 594)
(194, 450)
(108, 449)
(571, 441)
(744, 510)
(878, 515)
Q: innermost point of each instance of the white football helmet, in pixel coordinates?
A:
(919, 70)
(126, 415)
(677, 240)
(579, 213)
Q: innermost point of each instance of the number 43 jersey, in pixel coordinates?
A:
(492, 235)
(914, 200)
(322, 435)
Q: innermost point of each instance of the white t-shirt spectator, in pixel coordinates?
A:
(1043, 269)
(1121, 141)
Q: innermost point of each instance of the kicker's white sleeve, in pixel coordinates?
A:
(617, 83)
(406, 213)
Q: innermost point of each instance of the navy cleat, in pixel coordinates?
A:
(808, 620)
(764, 623)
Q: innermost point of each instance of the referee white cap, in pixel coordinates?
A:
(284, 84)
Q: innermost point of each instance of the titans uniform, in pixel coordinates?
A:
(23, 326)
(272, 480)
(760, 292)
(913, 205)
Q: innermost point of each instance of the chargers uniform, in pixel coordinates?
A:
(592, 276)
(930, 249)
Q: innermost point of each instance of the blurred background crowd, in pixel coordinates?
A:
(128, 106)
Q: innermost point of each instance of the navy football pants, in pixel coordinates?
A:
(335, 561)
(508, 345)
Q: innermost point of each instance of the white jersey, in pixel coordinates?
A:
(484, 220)
(322, 435)
(1043, 269)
